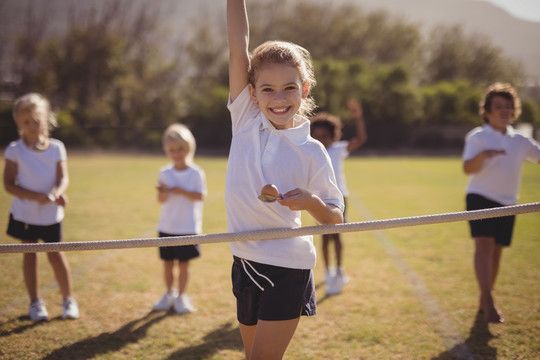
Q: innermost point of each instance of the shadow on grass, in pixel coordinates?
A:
(131, 332)
(28, 324)
(476, 346)
(225, 337)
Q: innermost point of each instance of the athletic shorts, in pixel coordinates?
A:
(292, 293)
(27, 232)
(180, 253)
(499, 228)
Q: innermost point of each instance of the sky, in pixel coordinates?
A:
(523, 9)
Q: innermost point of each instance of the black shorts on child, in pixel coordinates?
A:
(27, 232)
(180, 253)
(499, 228)
(291, 295)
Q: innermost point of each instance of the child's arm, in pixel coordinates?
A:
(474, 164)
(300, 199)
(163, 192)
(238, 36)
(355, 107)
(191, 195)
(11, 186)
(62, 183)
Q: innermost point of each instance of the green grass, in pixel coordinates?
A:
(384, 312)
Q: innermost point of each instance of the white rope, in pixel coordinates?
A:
(270, 234)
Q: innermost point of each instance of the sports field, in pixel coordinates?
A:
(412, 293)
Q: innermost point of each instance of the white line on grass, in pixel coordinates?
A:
(438, 318)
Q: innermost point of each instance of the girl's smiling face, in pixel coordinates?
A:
(279, 93)
(500, 113)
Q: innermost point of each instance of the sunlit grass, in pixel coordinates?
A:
(378, 316)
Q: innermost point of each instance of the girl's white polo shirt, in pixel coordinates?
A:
(36, 171)
(289, 159)
(499, 178)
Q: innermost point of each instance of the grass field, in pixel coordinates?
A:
(412, 293)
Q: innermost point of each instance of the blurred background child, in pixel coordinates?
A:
(493, 158)
(36, 175)
(181, 190)
(327, 129)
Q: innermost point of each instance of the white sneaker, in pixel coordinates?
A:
(329, 274)
(335, 285)
(37, 310)
(166, 302)
(70, 308)
(183, 305)
(343, 275)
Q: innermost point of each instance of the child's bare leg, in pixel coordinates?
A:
(326, 256)
(168, 274)
(61, 272)
(183, 277)
(483, 255)
(495, 264)
(248, 334)
(30, 273)
(272, 338)
(339, 249)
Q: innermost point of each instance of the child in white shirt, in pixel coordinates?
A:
(269, 93)
(36, 175)
(493, 158)
(181, 190)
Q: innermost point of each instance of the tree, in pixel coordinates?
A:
(452, 55)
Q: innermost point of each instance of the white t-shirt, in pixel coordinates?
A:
(338, 152)
(260, 154)
(180, 215)
(36, 171)
(500, 176)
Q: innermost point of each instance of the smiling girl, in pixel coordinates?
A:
(271, 144)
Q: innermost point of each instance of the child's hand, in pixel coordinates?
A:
(162, 188)
(301, 199)
(45, 199)
(492, 153)
(297, 199)
(62, 200)
(355, 107)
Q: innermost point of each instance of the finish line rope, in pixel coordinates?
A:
(278, 233)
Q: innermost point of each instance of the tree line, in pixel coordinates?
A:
(115, 82)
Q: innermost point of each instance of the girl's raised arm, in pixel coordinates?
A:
(238, 36)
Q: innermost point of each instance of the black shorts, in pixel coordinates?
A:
(180, 252)
(27, 232)
(499, 228)
(292, 295)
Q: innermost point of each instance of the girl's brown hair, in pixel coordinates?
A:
(282, 52)
(504, 90)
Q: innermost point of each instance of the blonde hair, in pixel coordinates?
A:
(282, 52)
(181, 135)
(32, 102)
(504, 90)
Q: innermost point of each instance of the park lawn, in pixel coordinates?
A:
(412, 293)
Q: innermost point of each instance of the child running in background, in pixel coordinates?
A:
(36, 175)
(327, 129)
(181, 190)
(493, 157)
(269, 94)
